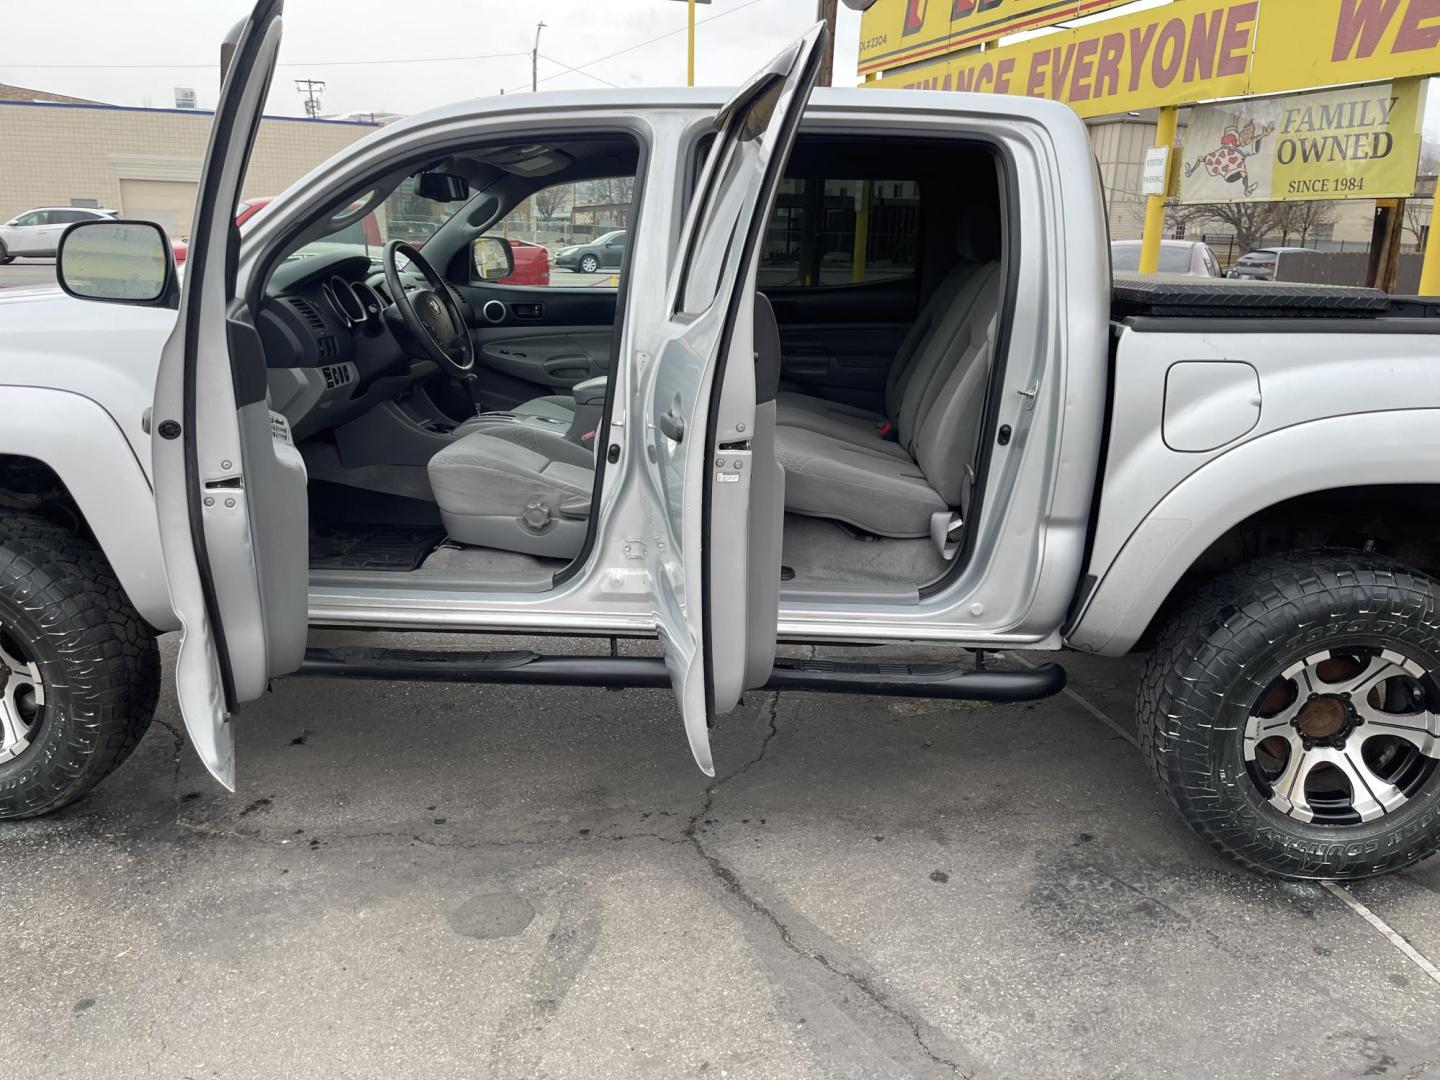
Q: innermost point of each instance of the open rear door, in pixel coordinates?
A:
(717, 498)
(229, 485)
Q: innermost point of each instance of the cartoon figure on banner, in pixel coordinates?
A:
(1230, 160)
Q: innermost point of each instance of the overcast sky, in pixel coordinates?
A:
(328, 39)
(135, 52)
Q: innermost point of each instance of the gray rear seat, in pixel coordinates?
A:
(839, 465)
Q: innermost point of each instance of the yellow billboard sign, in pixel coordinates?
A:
(898, 32)
(1193, 50)
(1357, 143)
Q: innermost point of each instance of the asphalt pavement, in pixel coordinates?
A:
(24, 272)
(442, 880)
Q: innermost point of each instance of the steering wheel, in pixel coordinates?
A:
(432, 314)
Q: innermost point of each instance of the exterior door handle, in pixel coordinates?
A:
(673, 426)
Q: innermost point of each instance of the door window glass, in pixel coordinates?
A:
(570, 236)
(841, 232)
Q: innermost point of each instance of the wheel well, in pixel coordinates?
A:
(1398, 520)
(30, 485)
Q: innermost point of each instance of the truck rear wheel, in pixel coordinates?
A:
(1291, 711)
(79, 669)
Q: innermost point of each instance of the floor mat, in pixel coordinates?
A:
(372, 547)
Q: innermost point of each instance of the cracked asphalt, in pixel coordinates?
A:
(433, 880)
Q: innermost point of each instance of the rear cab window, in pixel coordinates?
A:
(841, 231)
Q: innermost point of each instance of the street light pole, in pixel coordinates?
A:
(535, 59)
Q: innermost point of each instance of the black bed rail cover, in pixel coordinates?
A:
(1162, 295)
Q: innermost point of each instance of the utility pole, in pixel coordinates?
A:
(311, 89)
(825, 11)
(690, 44)
(535, 59)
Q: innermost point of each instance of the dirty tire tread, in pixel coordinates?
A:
(1202, 652)
(88, 632)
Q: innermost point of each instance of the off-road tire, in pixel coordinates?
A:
(589, 264)
(97, 657)
(1220, 652)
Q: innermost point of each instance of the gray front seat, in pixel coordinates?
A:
(526, 487)
(515, 487)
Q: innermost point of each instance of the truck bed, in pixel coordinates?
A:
(1176, 296)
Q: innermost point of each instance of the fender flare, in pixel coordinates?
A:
(1395, 447)
(86, 449)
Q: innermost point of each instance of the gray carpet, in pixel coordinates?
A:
(822, 551)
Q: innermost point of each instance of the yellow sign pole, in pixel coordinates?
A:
(690, 43)
(862, 233)
(1430, 268)
(1165, 128)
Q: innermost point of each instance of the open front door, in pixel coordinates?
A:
(229, 486)
(718, 498)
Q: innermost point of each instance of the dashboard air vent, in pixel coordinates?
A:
(306, 311)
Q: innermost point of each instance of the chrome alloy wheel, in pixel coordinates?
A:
(1344, 736)
(22, 697)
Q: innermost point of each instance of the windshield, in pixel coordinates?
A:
(1173, 260)
(403, 215)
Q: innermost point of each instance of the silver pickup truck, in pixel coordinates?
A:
(982, 441)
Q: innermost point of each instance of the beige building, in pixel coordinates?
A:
(144, 163)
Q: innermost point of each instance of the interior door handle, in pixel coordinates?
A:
(673, 426)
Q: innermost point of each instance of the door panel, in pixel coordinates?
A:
(557, 358)
(698, 400)
(544, 341)
(229, 486)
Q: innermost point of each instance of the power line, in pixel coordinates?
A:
(577, 71)
(649, 41)
(296, 63)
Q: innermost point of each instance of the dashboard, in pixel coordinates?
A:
(330, 349)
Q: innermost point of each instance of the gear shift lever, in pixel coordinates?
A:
(472, 386)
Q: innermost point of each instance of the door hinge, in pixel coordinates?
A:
(1030, 393)
(634, 549)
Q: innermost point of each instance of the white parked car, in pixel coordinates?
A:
(1189, 257)
(36, 233)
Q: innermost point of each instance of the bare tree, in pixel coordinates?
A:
(550, 201)
(1250, 222)
(1417, 214)
(1301, 220)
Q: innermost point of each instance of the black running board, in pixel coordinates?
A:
(522, 667)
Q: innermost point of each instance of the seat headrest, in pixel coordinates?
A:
(977, 231)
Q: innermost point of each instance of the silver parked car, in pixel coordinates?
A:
(1261, 265)
(36, 233)
(1189, 257)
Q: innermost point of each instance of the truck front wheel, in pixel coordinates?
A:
(79, 669)
(1291, 711)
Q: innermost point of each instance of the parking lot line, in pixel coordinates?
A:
(1414, 955)
(1098, 714)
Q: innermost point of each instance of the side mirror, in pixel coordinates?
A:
(494, 258)
(125, 262)
(442, 187)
